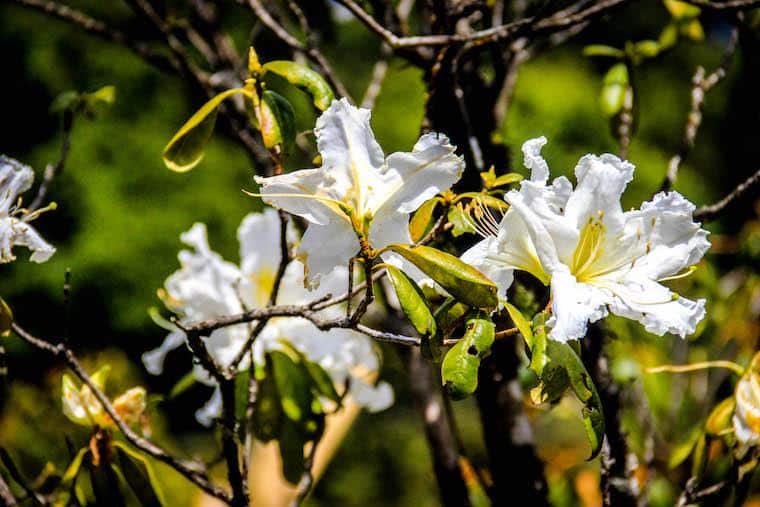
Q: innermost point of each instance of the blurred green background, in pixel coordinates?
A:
(120, 213)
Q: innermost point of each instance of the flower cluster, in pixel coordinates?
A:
(15, 179)
(359, 198)
(207, 286)
(597, 258)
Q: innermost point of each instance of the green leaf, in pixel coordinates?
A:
(459, 371)
(277, 121)
(105, 485)
(461, 280)
(139, 474)
(602, 50)
(448, 314)
(70, 475)
(521, 322)
(305, 79)
(254, 64)
(422, 220)
(412, 301)
(562, 354)
(6, 318)
(681, 10)
(291, 444)
(719, 419)
(668, 37)
(267, 411)
(186, 382)
(66, 101)
(506, 179)
(612, 96)
(646, 48)
(93, 102)
(693, 30)
(322, 383)
(538, 357)
(683, 449)
(461, 221)
(185, 150)
(293, 386)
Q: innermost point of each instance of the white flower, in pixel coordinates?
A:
(358, 192)
(15, 179)
(207, 287)
(597, 258)
(747, 414)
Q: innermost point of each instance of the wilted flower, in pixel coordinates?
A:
(747, 413)
(207, 287)
(597, 258)
(82, 407)
(358, 192)
(15, 179)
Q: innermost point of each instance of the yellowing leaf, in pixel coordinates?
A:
(305, 79)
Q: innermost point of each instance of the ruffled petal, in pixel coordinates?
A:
(532, 159)
(14, 232)
(259, 239)
(302, 193)
(656, 307)
(430, 168)
(350, 153)
(389, 226)
(574, 305)
(15, 179)
(601, 183)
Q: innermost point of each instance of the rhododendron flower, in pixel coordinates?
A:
(207, 287)
(15, 179)
(597, 258)
(358, 192)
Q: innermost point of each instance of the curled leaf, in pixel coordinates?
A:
(459, 371)
(305, 79)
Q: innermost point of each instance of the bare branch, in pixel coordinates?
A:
(727, 5)
(701, 85)
(52, 170)
(192, 470)
(711, 212)
(5, 493)
(99, 28)
(311, 52)
(554, 22)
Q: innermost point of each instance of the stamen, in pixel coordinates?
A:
(688, 272)
(482, 219)
(33, 215)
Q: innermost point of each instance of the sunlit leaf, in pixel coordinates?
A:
(183, 384)
(683, 449)
(521, 322)
(680, 10)
(422, 220)
(304, 78)
(185, 150)
(6, 318)
(277, 121)
(139, 475)
(412, 301)
(461, 221)
(612, 96)
(602, 50)
(719, 419)
(459, 371)
(461, 280)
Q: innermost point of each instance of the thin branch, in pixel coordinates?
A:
(231, 445)
(192, 470)
(52, 170)
(379, 70)
(727, 5)
(311, 52)
(701, 85)
(307, 479)
(5, 494)
(711, 212)
(555, 22)
(99, 28)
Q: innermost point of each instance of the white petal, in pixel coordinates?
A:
(259, 239)
(532, 159)
(15, 179)
(671, 240)
(295, 193)
(372, 398)
(574, 305)
(325, 247)
(389, 226)
(14, 232)
(211, 410)
(347, 145)
(484, 256)
(656, 307)
(601, 183)
(430, 168)
(154, 359)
